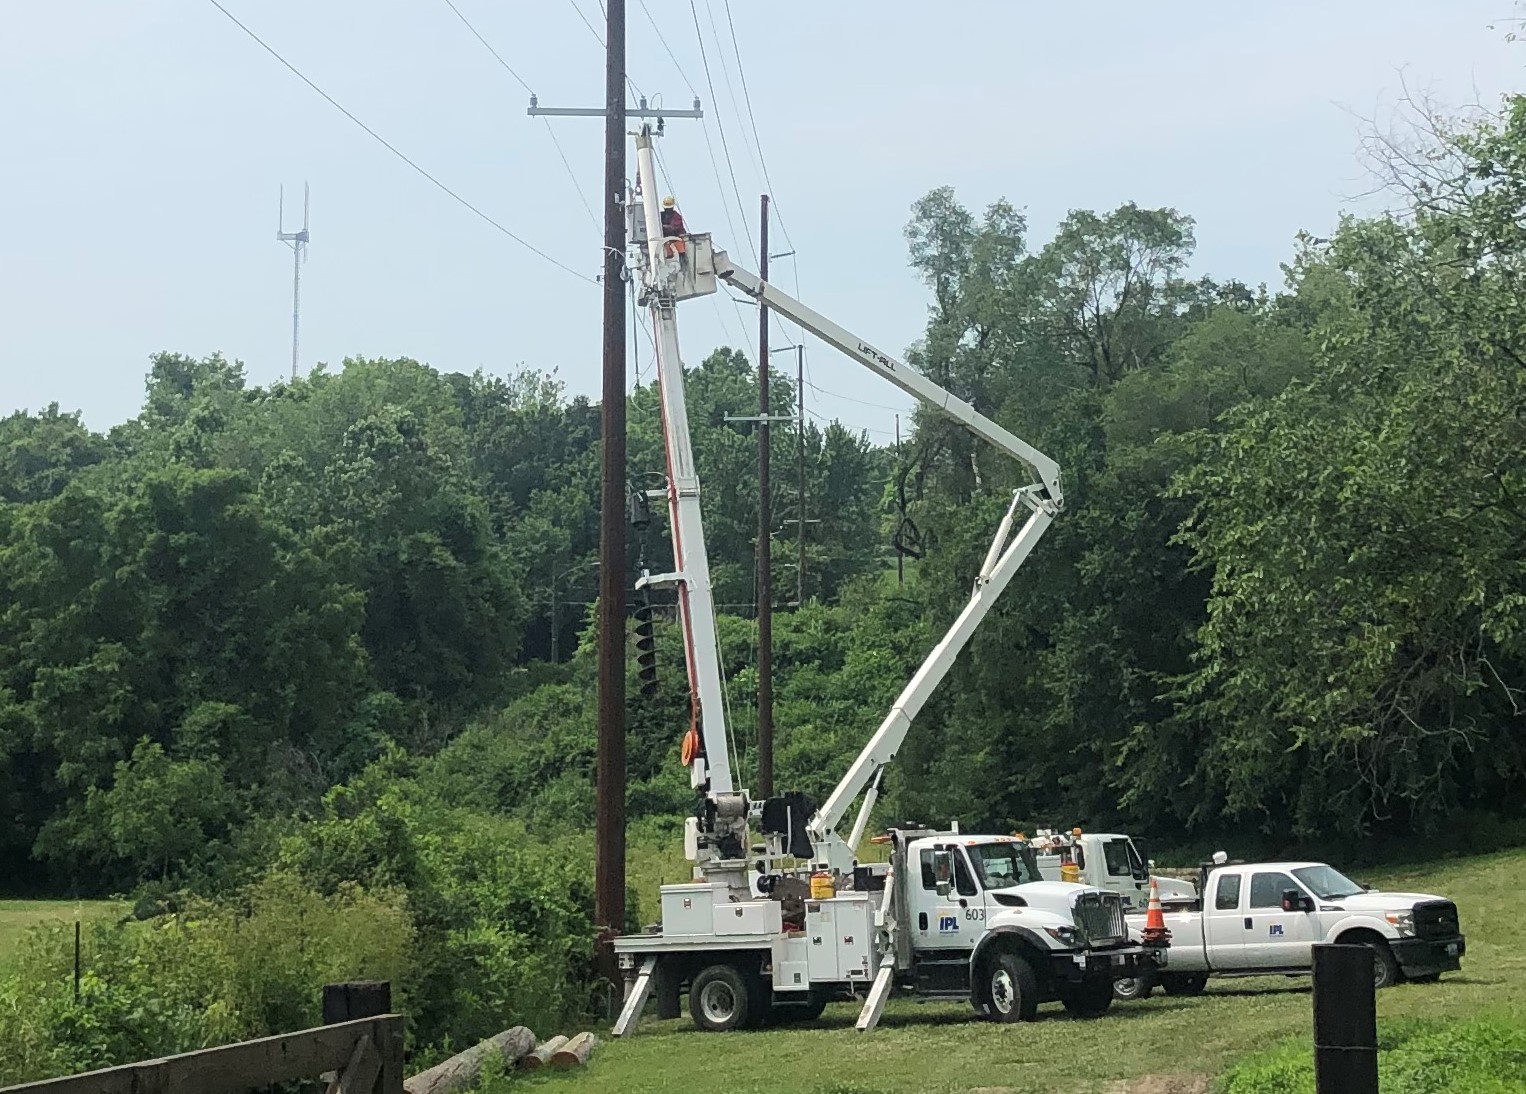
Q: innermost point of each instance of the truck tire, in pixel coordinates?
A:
(1184, 983)
(1385, 970)
(720, 999)
(1134, 987)
(1009, 988)
(1088, 999)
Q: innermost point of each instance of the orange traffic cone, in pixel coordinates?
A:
(1155, 933)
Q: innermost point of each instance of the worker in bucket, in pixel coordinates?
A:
(673, 231)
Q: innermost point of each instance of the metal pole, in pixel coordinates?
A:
(296, 302)
(765, 547)
(800, 430)
(609, 823)
(1345, 1021)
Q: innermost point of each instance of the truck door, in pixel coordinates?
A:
(1125, 872)
(1276, 939)
(947, 922)
(1223, 920)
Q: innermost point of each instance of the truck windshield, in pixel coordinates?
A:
(1002, 864)
(1326, 882)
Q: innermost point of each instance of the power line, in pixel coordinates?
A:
(393, 149)
(720, 56)
(753, 121)
(700, 36)
(663, 39)
(522, 83)
(491, 50)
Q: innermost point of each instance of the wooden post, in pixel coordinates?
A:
(356, 999)
(1345, 1020)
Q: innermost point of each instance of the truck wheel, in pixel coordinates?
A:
(1088, 999)
(1184, 983)
(1385, 970)
(1009, 989)
(720, 1000)
(1133, 987)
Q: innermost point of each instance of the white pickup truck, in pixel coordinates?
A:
(1264, 918)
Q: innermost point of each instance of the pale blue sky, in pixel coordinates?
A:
(143, 144)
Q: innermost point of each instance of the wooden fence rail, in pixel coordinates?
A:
(366, 1054)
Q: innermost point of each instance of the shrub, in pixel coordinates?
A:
(209, 974)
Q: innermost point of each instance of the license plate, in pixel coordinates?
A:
(1451, 949)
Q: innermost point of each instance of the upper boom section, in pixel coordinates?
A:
(898, 373)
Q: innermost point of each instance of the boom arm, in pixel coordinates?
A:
(902, 376)
(1043, 500)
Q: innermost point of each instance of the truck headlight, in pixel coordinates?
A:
(1066, 936)
(1403, 922)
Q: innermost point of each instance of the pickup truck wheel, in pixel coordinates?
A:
(1088, 999)
(720, 999)
(1133, 987)
(1009, 988)
(1184, 983)
(1385, 970)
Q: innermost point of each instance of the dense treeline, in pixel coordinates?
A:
(334, 632)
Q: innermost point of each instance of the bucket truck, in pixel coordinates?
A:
(782, 925)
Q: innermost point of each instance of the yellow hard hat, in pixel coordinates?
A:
(667, 202)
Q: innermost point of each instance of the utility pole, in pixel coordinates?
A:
(609, 808)
(800, 431)
(298, 242)
(900, 559)
(609, 824)
(765, 535)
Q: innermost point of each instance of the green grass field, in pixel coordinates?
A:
(1159, 1046)
(17, 916)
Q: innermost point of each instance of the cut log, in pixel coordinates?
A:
(542, 1055)
(463, 1069)
(575, 1052)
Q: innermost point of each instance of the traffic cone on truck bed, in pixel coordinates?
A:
(1155, 933)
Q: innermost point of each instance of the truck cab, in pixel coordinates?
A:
(1105, 860)
(978, 918)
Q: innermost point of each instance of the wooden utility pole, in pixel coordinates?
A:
(800, 432)
(609, 817)
(765, 546)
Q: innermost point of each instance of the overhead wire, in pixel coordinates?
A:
(720, 58)
(571, 174)
(398, 153)
(753, 121)
(725, 148)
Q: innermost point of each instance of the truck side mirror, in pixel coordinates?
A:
(943, 870)
(1294, 901)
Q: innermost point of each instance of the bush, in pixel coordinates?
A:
(1481, 1056)
(209, 974)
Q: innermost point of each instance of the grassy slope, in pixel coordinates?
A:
(16, 916)
(942, 1048)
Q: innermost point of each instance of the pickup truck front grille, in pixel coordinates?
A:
(1436, 919)
(1100, 919)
